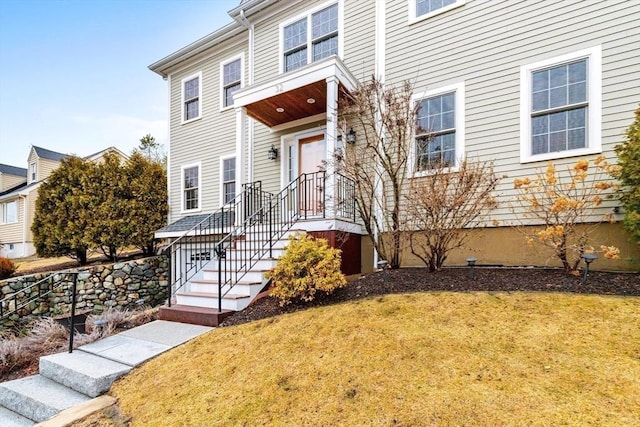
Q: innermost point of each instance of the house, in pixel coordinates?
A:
(253, 105)
(18, 194)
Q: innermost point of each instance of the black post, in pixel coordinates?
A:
(73, 311)
(167, 253)
(219, 277)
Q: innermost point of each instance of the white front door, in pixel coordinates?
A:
(307, 160)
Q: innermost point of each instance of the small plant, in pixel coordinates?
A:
(308, 265)
(560, 203)
(7, 268)
(629, 174)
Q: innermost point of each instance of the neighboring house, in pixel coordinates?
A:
(517, 82)
(18, 194)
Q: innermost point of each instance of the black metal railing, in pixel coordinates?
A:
(189, 253)
(21, 298)
(260, 220)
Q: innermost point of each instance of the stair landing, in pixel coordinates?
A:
(194, 315)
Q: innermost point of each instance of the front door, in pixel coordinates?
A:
(312, 157)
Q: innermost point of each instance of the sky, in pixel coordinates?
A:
(74, 76)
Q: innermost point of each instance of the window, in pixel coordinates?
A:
(231, 80)
(9, 212)
(439, 128)
(423, 9)
(560, 111)
(228, 179)
(32, 171)
(191, 97)
(301, 46)
(191, 187)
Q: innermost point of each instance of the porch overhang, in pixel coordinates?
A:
(295, 95)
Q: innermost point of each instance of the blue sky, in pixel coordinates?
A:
(74, 76)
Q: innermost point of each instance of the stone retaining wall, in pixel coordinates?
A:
(126, 285)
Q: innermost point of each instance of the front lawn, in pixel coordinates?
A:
(433, 358)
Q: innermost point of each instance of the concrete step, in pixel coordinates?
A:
(242, 245)
(8, 418)
(253, 276)
(234, 302)
(264, 264)
(193, 315)
(83, 372)
(211, 286)
(242, 254)
(38, 398)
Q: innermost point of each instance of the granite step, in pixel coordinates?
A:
(8, 418)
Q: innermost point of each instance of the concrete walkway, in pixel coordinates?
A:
(69, 382)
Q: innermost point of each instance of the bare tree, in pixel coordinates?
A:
(384, 119)
(445, 206)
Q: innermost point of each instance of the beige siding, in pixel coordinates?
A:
(484, 44)
(45, 167)
(359, 37)
(13, 233)
(9, 181)
(206, 139)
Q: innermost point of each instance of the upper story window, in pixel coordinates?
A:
(33, 171)
(561, 107)
(228, 179)
(439, 128)
(191, 97)
(9, 212)
(231, 80)
(311, 38)
(191, 187)
(423, 9)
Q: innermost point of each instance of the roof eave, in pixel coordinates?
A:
(250, 7)
(225, 33)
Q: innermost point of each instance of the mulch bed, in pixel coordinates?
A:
(454, 280)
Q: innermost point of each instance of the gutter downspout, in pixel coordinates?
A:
(250, 123)
(25, 216)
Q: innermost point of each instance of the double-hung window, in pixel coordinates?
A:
(191, 97)
(311, 38)
(9, 212)
(33, 171)
(231, 80)
(423, 9)
(228, 179)
(191, 187)
(560, 111)
(439, 128)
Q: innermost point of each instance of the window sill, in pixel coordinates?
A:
(560, 155)
(195, 119)
(190, 211)
(426, 173)
(227, 108)
(415, 19)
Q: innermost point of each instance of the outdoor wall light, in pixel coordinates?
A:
(272, 154)
(588, 259)
(351, 136)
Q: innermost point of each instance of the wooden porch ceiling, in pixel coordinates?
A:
(299, 103)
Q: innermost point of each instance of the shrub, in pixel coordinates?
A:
(560, 203)
(629, 173)
(308, 265)
(7, 268)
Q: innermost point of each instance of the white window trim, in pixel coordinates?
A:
(182, 201)
(3, 212)
(458, 88)
(222, 159)
(222, 64)
(182, 108)
(307, 14)
(594, 118)
(33, 170)
(412, 11)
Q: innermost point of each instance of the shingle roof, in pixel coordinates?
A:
(43, 153)
(188, 222)
(15, 189)
(13, 170)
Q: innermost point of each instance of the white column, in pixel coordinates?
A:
(331, 138)
(241, 131)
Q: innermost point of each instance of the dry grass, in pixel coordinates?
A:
(412, 360)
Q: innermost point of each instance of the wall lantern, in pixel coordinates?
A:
(351, 136)
(272, 154)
